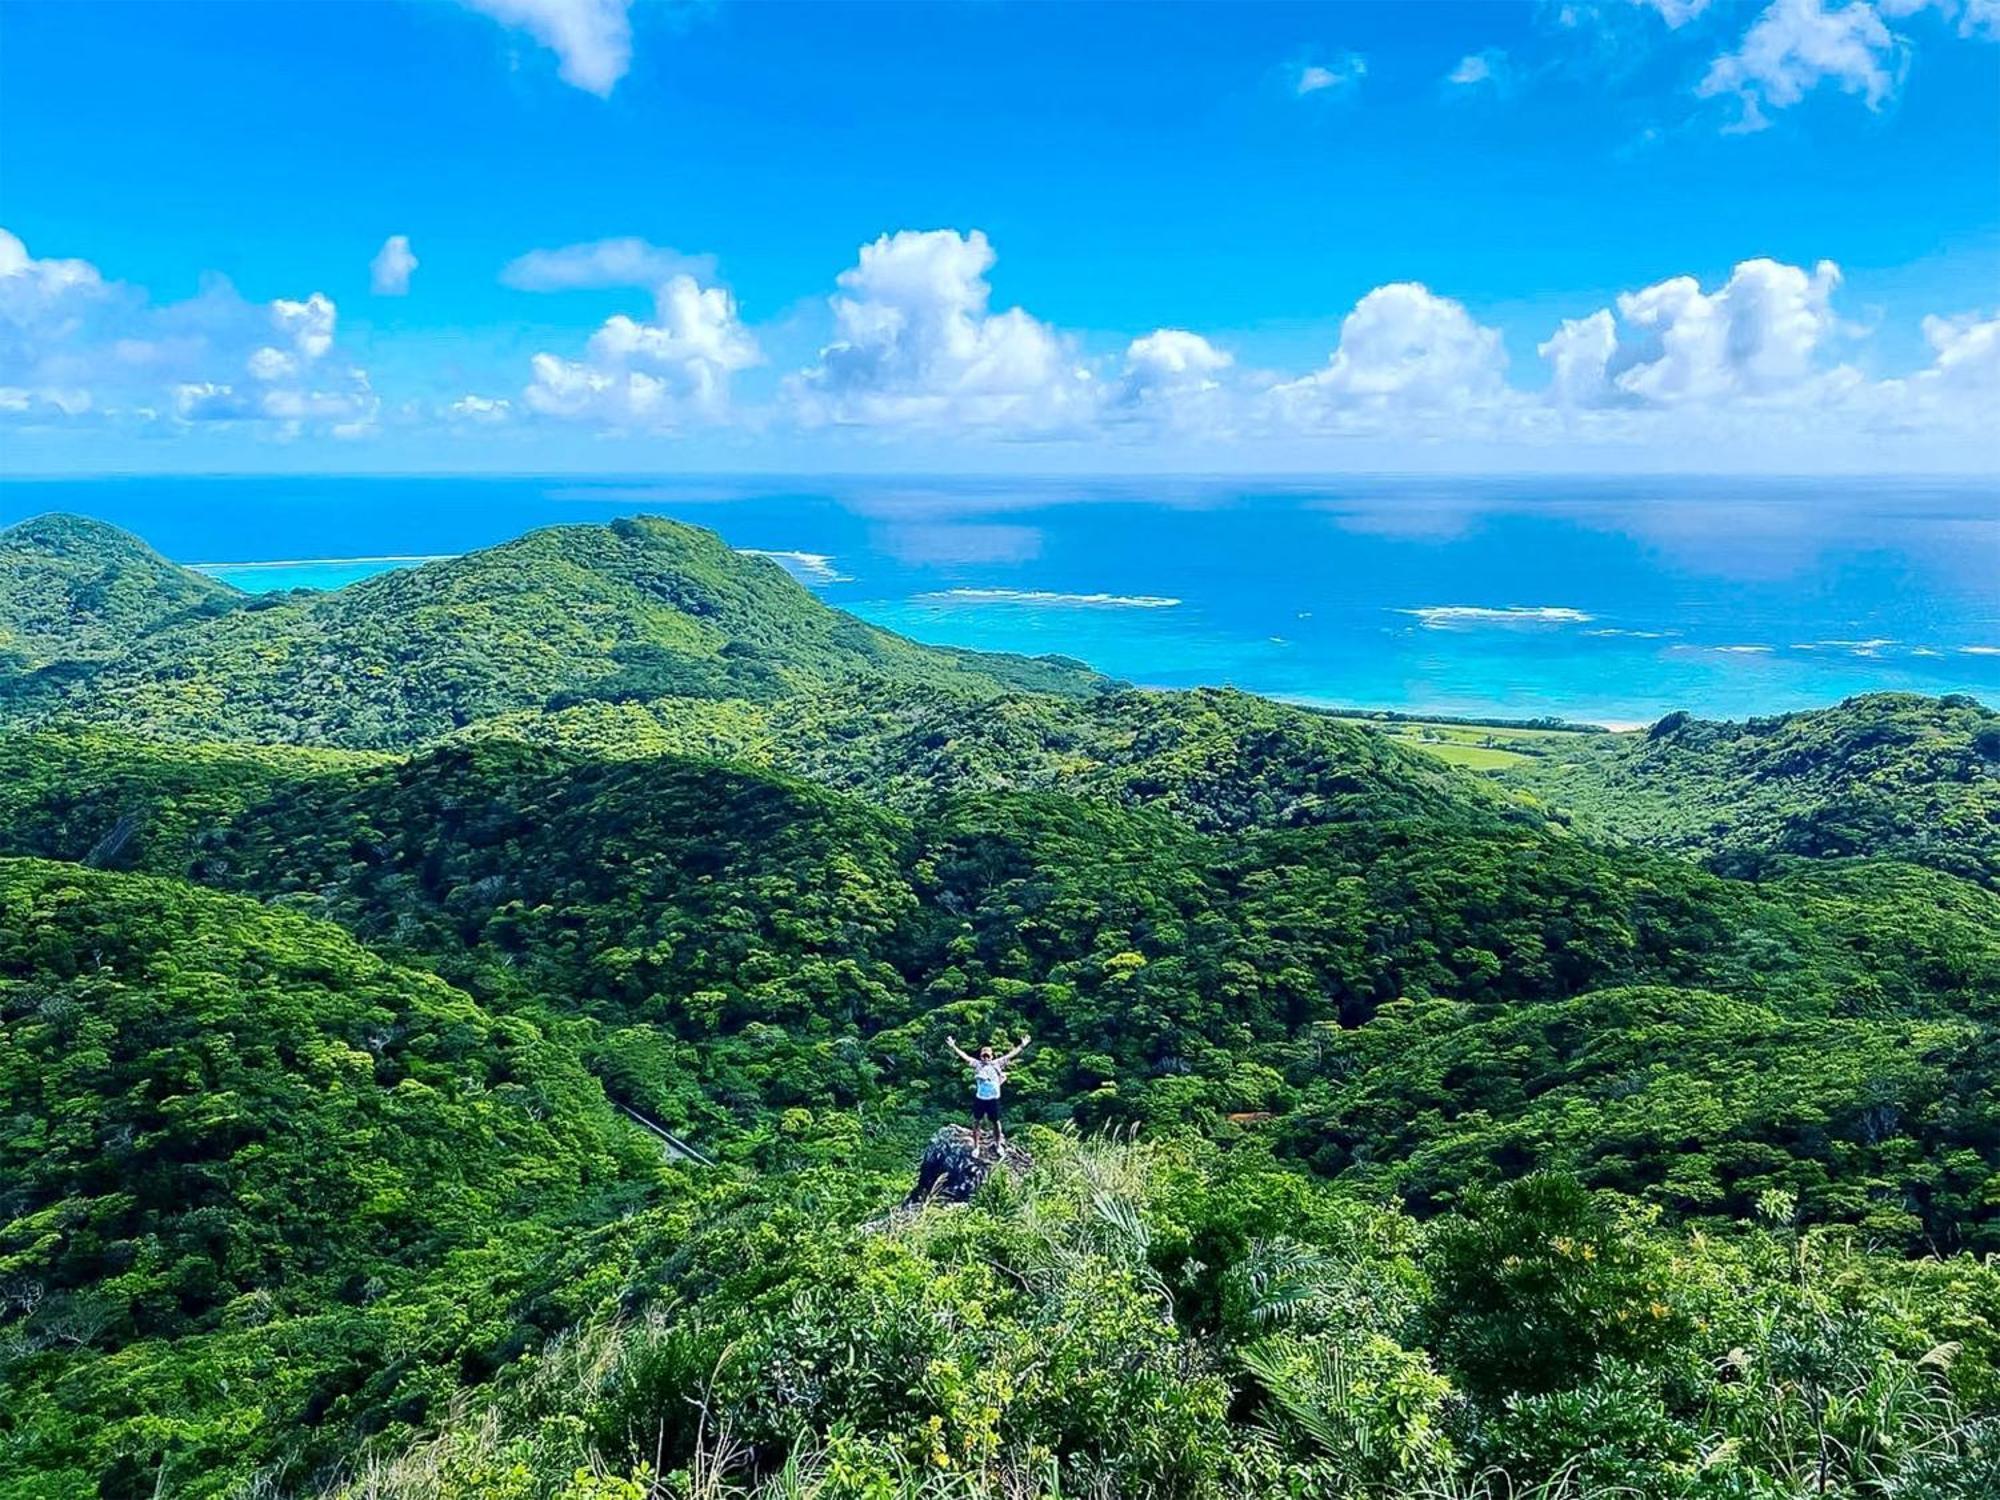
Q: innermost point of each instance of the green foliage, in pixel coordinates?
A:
(208, 1101)
(1428, 1003)
(1219, 760)
(1049, 1341)
(638, 608)
(73, 590)
(1396, 1139)
(115, 801)
(1539, 1284)
(1885, 774)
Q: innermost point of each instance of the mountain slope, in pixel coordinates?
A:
(1216, 758)
(631, 610)
(203, 1098)
(1884, 774)
(263, 1192)
(114, 801)
(725, 941)
(73, 589)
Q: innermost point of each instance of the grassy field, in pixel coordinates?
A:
(1478, 747)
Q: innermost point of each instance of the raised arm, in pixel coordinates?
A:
(952, 1042)
(1010, 1056)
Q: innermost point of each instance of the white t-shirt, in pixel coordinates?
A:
(986, 1079)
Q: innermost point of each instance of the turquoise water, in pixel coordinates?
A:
(1612, 600)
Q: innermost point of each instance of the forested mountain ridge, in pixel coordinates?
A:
(76, 590)
(1396, 1136)
(1885, 773)
(1216, 758)
(741, 942)
(635, 609)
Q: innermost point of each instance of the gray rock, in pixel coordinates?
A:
(952, 1174)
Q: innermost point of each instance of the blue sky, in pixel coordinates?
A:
(999, 236)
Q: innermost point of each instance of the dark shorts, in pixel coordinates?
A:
(986, 1109)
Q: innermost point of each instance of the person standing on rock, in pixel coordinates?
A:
(988, 1074)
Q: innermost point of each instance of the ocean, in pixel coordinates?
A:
(1606, 600)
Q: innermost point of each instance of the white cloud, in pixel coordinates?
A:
(485, 411)
(389, 271)
(270, 364)
(1794, 46)
(48, 401)
(1971, 18)
(660, 375)
(1173, 359)
(29, 287)
(915, 344)
(1171, 378)
(1578, 353)
(1753, 370)
(1967, 349)
(46, 307)
(623, 262)
(592, 39)
(1958, 391)
(1676, 13)
(1477, 67)
(1402, 350)
(308, 324)
(74, 346)
(1756, 338)
(211, 401)
(1341, 73)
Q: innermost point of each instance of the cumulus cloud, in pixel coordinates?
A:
(1174, 378)
(1343, 72)
(1971, 18)
(1958, 390)
(592, 39)
(46, 307)
(1402, 350)
(916, 344)
(1578, 353)
(1674, 367)
(1796, 45)
(1173, 359)
(75, 345)
(1477, 68)
(669, 373)
(30, 288)
(389, 271)
(1758, 337)
(268, 364)
(625, 262)
(1676, 13)
(485, 411)
(308, 324)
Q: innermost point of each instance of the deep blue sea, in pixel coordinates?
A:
(1612, 600)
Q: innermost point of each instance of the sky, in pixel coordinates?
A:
(640, 236)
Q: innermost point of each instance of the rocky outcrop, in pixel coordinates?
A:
(952, 1174)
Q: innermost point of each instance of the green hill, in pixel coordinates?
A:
(739, 942)
(206, 1099)
(1884, 774)
(237, 1150)
(1395, 1132)
(1218, 759)
(636, 609)
(75, 590)
(115, 801)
